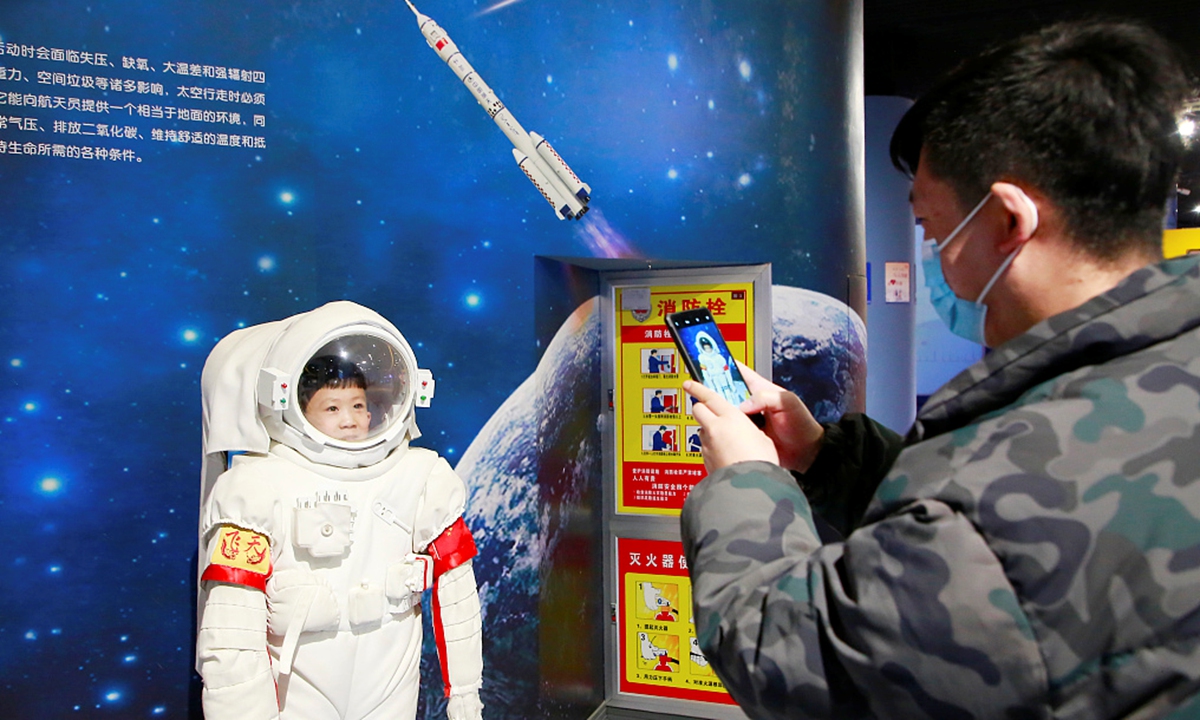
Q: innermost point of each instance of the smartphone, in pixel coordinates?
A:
(705, 353)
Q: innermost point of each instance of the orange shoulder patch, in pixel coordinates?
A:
(239, 556)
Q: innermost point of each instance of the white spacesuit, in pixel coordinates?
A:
(714, 367)
(318, 540)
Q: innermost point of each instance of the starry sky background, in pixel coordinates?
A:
(707, 129)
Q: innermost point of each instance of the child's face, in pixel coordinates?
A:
(340, 412)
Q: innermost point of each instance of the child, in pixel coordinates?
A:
(333, 397)
(320, 538)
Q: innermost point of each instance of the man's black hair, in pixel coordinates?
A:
(325, 371)
(1084, 112)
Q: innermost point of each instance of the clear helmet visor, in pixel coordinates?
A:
(356, 388)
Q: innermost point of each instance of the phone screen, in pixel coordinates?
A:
(704, 352)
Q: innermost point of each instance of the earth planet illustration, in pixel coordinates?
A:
(545, 429)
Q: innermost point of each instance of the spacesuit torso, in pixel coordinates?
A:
(350, 534)
(717, 374)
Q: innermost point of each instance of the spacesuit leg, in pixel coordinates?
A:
(458, 627)
(301, 700)
(403, 688)
(231, 654)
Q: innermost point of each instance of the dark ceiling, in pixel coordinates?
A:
(909, 44)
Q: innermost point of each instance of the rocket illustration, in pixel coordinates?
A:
(553, 178)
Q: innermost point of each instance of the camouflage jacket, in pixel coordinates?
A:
(1033, 552)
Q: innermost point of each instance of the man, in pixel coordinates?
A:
(655, 362)
(658, 441)
(1032, 548)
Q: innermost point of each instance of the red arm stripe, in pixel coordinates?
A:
(237, 576)
(452, 548)
(439, 633)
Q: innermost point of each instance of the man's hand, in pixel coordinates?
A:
(727, 435)
(794, 434)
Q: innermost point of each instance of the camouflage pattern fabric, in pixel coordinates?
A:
(1034, 551)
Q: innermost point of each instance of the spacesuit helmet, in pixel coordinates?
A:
(339, 386)
(353, 388)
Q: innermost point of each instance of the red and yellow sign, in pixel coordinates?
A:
(658, 651)
(239, 556)
(658, 441)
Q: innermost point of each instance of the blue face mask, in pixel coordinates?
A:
(964, 318)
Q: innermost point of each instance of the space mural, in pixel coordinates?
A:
(174, 171)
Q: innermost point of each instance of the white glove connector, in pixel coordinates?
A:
(413, 576)
(466, 706)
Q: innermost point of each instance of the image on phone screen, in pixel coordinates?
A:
(705, 354)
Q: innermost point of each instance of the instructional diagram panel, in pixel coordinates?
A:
(657, 439)
(659, 655)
